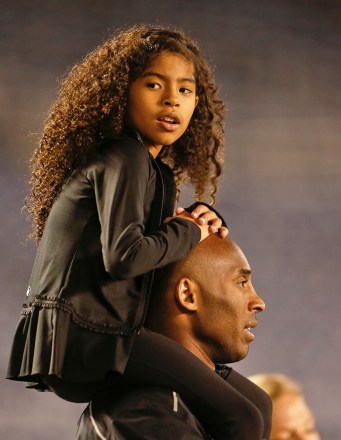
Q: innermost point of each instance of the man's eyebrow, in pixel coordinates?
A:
(159, 75)
(244, 272)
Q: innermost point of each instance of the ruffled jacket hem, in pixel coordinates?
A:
(49, 333)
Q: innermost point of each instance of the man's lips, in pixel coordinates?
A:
(247, 330)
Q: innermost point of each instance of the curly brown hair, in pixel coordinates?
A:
(92, 104)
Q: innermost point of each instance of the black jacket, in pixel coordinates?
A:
(142, 413)
(153, 413)
(90, 284)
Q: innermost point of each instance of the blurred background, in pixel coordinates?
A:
(278, 66)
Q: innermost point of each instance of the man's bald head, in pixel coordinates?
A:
(206, 301)
(202, 264)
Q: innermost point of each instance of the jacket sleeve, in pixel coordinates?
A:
(121, 184)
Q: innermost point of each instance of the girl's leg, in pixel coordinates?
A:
(222, 409)
(74, 392)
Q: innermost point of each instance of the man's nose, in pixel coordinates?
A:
(257, 304)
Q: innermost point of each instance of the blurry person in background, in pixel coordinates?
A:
(292, 419)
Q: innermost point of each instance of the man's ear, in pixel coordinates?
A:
(186, 295)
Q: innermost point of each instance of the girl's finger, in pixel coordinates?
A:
(199, 210)
(223, 232)
(210, 217)
(179, 210)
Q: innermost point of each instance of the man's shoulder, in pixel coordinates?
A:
(148, 413)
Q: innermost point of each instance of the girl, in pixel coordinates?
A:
(99, 195)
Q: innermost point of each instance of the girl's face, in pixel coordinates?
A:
(162, 100)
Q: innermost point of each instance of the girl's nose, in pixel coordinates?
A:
(170, 99)
(170, 102)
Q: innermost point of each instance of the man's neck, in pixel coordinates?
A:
(195, 348)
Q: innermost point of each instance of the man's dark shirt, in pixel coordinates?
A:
(144, 413)
(157, 413)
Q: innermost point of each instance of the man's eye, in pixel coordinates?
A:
(153, 86)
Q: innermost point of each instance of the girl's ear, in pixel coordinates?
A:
(186, 295)
(196, 100)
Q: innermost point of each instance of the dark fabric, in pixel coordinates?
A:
(142, 413)
(252, 392)
(91, 279)
(222, 405)
(228, 407)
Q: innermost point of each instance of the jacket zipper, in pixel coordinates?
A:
(152, 272)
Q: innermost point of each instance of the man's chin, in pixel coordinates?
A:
(230, 358)
(242, 355)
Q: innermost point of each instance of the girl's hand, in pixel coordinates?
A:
(204, 216)
(204, 228)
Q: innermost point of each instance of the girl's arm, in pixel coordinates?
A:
(120, 183)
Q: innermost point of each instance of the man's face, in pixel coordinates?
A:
(228, 305)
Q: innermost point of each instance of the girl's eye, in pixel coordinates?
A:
(185, 90)
(243, 283)
(153, 86)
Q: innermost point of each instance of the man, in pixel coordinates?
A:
(206, 303)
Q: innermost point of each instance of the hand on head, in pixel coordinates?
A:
(205, 229)
(203, 216)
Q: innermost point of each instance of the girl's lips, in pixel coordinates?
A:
(168, 126)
